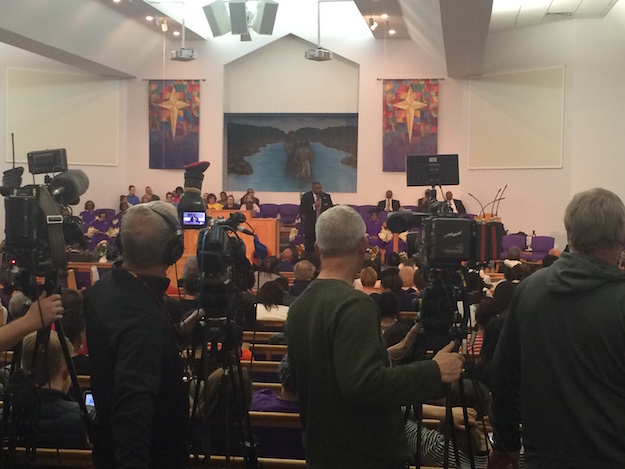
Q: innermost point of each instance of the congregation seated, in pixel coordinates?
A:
(513, 258)
(485, 311)
(304, 272)
(394, 284)
(250, 195)
(60, 424)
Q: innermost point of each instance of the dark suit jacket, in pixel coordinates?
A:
(460, 206)
(306, 206)
(394, 203)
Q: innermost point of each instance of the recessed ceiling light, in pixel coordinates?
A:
(176, 33)
(384, 16)
(391, 31)
(117, 1)
(149, 18)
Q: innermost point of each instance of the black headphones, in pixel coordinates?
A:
(175, 246)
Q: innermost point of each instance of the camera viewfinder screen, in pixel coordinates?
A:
(193, 219)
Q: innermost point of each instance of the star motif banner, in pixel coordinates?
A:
(174, 119)
(410, 121)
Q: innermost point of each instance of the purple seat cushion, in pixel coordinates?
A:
(269, 210)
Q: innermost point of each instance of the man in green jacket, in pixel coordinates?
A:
(349, 396)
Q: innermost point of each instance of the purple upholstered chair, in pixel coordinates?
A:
(269, 210)
(288, 213)
(512, 240)
(540, 248)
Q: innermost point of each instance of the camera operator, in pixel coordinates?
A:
(41, 313)
(349, 396)
(141, 401)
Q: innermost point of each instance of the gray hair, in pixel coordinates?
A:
(304, 270)
(339, 230)
(595, 220)
(145, 234)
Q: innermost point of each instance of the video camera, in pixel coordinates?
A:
(36, 229)
(443, 239)
(440, 244)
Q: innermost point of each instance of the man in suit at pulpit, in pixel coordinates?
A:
(313, 203)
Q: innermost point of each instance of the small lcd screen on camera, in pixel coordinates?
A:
(193, 219)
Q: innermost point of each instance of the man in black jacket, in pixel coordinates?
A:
(388, 204)
(312, 204)
(559, 364)
(141, 401)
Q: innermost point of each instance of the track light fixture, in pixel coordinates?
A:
(373, 24)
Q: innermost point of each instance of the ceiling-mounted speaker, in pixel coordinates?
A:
(218, 19)
(265, 17)
(238, 16)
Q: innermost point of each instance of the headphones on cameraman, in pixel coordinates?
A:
(174, 249)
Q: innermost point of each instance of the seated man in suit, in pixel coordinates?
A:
(456, 204)
(388, 204)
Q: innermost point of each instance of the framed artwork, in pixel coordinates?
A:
(174, 119)
(287, 152)
(410, 121)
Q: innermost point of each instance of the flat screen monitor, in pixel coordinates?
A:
(193, 219)
(432, 170)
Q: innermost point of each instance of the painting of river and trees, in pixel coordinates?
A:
(287, 152)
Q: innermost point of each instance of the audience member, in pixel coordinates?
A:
(150, 194)
(249, 204)
(549, 259)
(212, 203)
(349, 396)
(388, 204)
(75, 329)
(169, 198)
(223, 197)
(286, 261)
(142, 403)
(423, 204)
(177, 195)
(88, 215)
(268, 271)
(312, 204)
(133, 199)
(304, 273)
(368, 280)
(560, 356)
(265, 400)
(248, 194)
(393, 329)
(230, 205)
(554, 252)
(485, 311)
(60, 424)
(145, 198)
(456, 204)
(270, 305)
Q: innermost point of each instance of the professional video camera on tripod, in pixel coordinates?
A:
(36, 236)
(444, 247)
(224, 272)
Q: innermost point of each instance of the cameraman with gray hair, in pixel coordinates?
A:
(137, 379)
(349, 396)
(559, 367)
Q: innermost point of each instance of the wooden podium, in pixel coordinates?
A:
(267, 229)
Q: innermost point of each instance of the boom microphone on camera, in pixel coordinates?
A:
(67, 187)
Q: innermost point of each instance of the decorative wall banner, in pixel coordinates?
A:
(410, 121)
(287, 152)
(174, 115)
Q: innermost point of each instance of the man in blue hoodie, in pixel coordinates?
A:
(559, 367)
